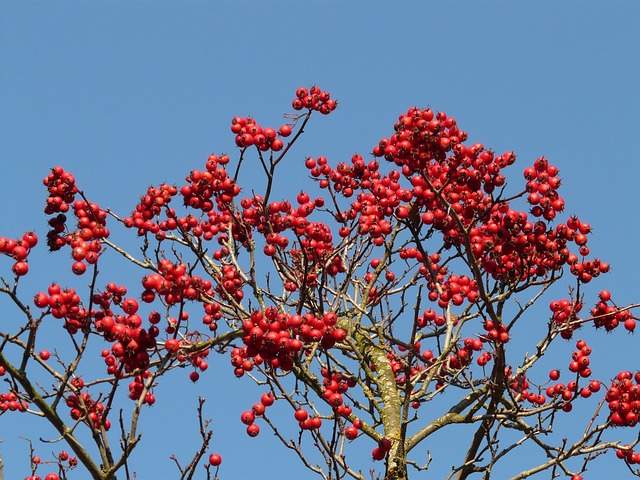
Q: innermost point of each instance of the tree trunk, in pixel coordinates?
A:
(396, 463)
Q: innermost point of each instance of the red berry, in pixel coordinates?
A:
(378, 453)
(285, 130)
(351, 432)
(253, 430)
(267, 399)
(41, 300)
(20, 268)
(301, 415)
(215, 459)
(248, 417)
(78, 268)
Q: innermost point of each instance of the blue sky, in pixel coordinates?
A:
(129, 94)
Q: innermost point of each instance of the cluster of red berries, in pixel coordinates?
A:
(211, 315)
(564, 313)
(610, 316)
(580, 359)
(229, 283)
(198, 361)
(10, 401)
(131, 342)
(628, 455)
(62, 190)
(174, 284)
(277, 338)
(566, 392)
(542, 185)
(249, 133)
(92, 221)
(519, 385)
(623, 398)
(62, 457)
(272, 220)
(206, 189)
(19, 250)
(248, 417)
(580, 365)
(379, 452)
(83, 251)
(455, 289)
(50, 476)
(344, 178)
(463, 356)
(496, 332)
(91, 218)
(136, 387)
(335, 386)
(421, 136)
(305, 421)
(379, 197)
(64, 304)
(84, 407)
(314, 99)
(213, 182)
(151, 205)
(399, 363)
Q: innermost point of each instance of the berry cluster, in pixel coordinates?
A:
(10, 401)
(71, 462)
(19, 250)
(379, 452)
(64, 304)
(206, 189)
(83, 407)
(91, 223)
(623, 398)
(610, 316)
(277, 338)
(628, 455)
(174, 284)
(50, 476)
(314, 99)
(229, 283)
(335, 386)
(463, 356)
(564, 313)
(496, 332)
(315, 238)
(519, 385)
(580, 359)
(455, 289)
(399, 363)
(248, 417)
(83, 251)
(150, 207)
(379, 196)
(542, 185)
(62, 190)
(249, 133)
(210, 183)
(579, 365)
(131, 341)
(136, 387)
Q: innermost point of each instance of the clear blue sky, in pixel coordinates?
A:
(128, 94)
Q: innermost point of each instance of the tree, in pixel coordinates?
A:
(383, 311)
